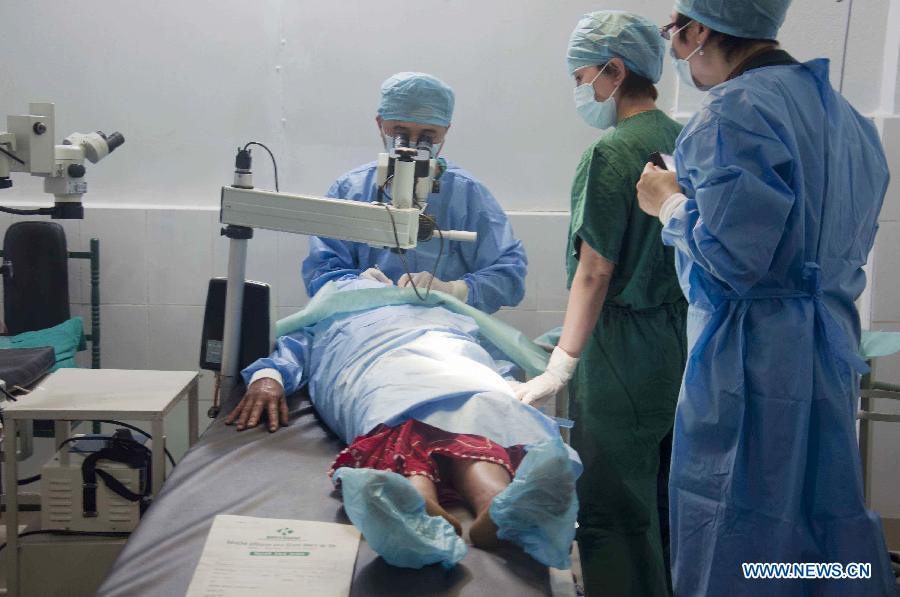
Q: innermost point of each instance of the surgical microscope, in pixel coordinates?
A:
(29, 146)
(406, 175)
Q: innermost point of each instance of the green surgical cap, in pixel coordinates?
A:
(416, 97)
(753, 19)
(606, 34)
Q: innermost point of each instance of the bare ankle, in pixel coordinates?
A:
(483, 531)
(433, 508)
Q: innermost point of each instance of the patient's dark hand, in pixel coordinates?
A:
(263, 395)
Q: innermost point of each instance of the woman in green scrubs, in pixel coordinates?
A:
(622, 348)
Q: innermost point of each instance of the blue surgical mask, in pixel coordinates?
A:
(601, 115)
(683, 68)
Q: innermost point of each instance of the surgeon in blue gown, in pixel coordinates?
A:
(487, 274)
(773, 212)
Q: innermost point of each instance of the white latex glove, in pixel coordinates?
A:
(539, 390)
(457, 288)
(373, 273)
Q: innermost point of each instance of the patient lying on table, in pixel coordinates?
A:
(421, 397)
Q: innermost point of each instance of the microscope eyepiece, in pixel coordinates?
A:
(424, 142)
(243, 160)
(114, 140)
(401, 140)
(425, 147)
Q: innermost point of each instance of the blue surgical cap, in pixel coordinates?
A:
(606, 34)
(416, 97)
(753, 19)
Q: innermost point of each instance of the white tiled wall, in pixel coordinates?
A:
(180, 256)
(886, 317)
(544, 237)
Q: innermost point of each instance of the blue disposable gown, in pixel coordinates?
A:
(784, 181)
(493, 267)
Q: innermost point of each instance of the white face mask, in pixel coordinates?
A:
(601, 115)
(683, 65)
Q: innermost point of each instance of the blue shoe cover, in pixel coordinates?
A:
(390, 514)
(537, 511)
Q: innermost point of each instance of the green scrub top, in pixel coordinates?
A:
(624, 391)
(606, 215)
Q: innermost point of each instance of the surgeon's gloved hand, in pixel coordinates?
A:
(373, 273)
(457, 288)
(263, 395)
(536, 392)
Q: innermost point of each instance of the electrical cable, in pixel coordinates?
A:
(271, 155)
(114, 440)
(115, 534)
(28, 480)
(40, 211)
(127, 426)
(402, 256)
(437, 262)
(79, 438)
(403, 260)
(12, 156)
(8, 395)
(846, 43)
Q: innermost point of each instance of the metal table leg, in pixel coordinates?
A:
(158, 470)
(193, 412)
(12, 509)
(61, 431)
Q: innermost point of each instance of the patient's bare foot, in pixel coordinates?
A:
(483, 531)
(435, 509)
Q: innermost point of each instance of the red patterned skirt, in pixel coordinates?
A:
(416, 448)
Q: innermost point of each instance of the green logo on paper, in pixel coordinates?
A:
(285, 532)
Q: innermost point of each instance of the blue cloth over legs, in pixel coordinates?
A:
(537, 511)
(390, 514)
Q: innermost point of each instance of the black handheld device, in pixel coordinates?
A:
(657, 160)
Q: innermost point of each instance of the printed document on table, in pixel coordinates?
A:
(268, 556)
